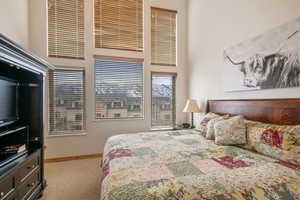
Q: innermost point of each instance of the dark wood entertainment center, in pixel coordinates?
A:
(21, 135)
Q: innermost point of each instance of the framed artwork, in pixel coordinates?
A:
(270, 60)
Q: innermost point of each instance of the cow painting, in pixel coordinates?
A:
(271, 71)
(279, 68)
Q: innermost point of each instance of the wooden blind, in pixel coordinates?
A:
(119, 84)
(163, 37)
(66, 101)
(119, 24)
(66, 29)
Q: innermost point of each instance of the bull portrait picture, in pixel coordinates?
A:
(271, 60)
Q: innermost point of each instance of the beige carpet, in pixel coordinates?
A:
(73, 180)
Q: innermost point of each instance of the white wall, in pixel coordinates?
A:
(14, 20)
(215, 25)
(99, 131)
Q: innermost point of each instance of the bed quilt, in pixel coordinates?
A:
(184, 165)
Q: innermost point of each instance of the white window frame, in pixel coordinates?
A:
(68, 133)
(94, 89)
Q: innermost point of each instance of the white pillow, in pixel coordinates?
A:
(210, 133)
(231, 131)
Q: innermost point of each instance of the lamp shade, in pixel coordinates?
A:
(191, 106)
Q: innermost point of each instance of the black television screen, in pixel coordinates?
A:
(8, 101)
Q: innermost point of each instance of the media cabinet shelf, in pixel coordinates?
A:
(13, 158)
(12, 130)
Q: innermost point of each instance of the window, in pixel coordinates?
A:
(99, 116)
(66, 86)
(116, 104)
(163, 37)
(119, 87)
(163, 100)
(167, 117)
(117, 115)
(78, 117)
(66, 29)
(119, 24)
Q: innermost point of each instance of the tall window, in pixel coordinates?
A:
(66, 29)
(163, 100)
(119, 24)
(67, 101)
(119, 88)
(163, 37)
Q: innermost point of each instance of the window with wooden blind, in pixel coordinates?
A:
(66, 101)
(163, 110)
(119, 24)
(163, 37)
(119, 88)
(66, 29)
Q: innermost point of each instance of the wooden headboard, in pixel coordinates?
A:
(275, 111)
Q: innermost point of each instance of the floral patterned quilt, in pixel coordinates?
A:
(184, 165)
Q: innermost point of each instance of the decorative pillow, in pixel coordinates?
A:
(202, 126)
(279, 142)
(231, 131)
(210, 134)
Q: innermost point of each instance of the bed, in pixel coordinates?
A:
(185, 165)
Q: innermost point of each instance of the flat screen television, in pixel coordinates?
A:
(8, 101)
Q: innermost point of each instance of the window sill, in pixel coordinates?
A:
(116, 120)
(55, 135)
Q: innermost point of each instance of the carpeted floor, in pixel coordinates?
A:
(73, 180)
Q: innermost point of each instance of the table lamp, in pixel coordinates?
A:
(191, 107)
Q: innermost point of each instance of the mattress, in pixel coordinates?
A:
(184, 165)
